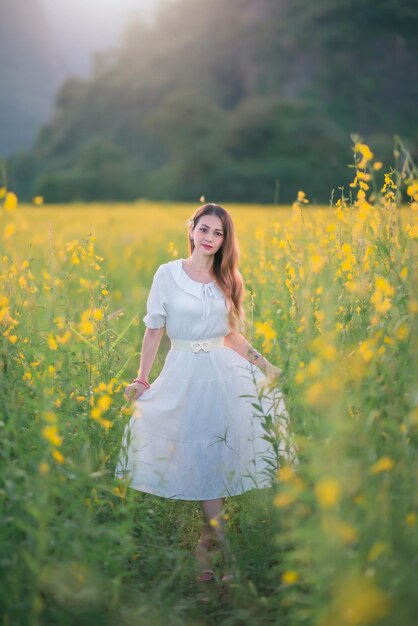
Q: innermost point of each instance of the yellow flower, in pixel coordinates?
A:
(376, 550)
(365, 152)
(366, 349)
(290, 577)
(119, 491)
(71, 245)
(259, 233)
(357, 601)
(265, 330)
(384, 464)
(38, 200)
(95, 413)
(346, 532)
(51, 434)
(314, 392)
(57, 456)
(9, 230)
(50, 417)
(299, 377)
(328, 492)
(284, 499)
(105, 423)
(388, 184)
(52, 344)
(97, 314)
(302, 197)
(411, 519)
(86, 325)
(412, 231)
(363, 176)
(104, 402)
(10, 202)
(413, 306)
(377, 165)
(317, 262)
(329, 352)
(331, 525)
(382, 304)
(319, 316)
(381, 284)
(402, 332)
(348, 260)
(43, 468)
(63, 339)
(3, 192)
(314, 367)
(285, 473)
(412, 190)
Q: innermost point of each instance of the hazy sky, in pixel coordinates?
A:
(83, 26)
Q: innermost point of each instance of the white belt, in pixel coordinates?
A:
(185, 345)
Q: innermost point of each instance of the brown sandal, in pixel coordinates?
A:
(206, 575)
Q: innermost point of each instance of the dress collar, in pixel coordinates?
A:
(191, 286)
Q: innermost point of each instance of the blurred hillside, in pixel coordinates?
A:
(29, 72)
(244, 100)
(44, 42)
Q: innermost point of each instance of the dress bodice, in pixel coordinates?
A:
(189, 309)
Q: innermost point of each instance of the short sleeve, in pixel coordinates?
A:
(156, 302)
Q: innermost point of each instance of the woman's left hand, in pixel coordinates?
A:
(272, 374)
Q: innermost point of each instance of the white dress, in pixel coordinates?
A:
(192, 436)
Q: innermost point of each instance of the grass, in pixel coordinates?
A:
(332, 300)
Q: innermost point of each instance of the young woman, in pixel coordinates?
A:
(193, 436)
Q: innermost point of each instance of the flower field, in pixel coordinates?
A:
(332, 299)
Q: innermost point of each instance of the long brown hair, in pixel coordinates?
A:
(225, 263)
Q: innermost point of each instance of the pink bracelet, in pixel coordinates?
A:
(141, 380)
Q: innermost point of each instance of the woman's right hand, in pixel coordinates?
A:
(134, 391)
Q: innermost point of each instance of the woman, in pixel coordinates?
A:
(193, 436)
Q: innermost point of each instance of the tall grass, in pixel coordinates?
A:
(332, 301)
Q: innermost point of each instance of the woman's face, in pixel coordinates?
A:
(208, 234)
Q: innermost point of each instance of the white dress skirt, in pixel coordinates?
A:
(195, 434)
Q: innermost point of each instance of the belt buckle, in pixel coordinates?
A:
(197, 346)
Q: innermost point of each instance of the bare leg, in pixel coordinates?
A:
(211, 516)
(213, 521)
(214, 525)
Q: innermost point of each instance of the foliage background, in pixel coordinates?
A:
(238, 101)
(334, 303)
